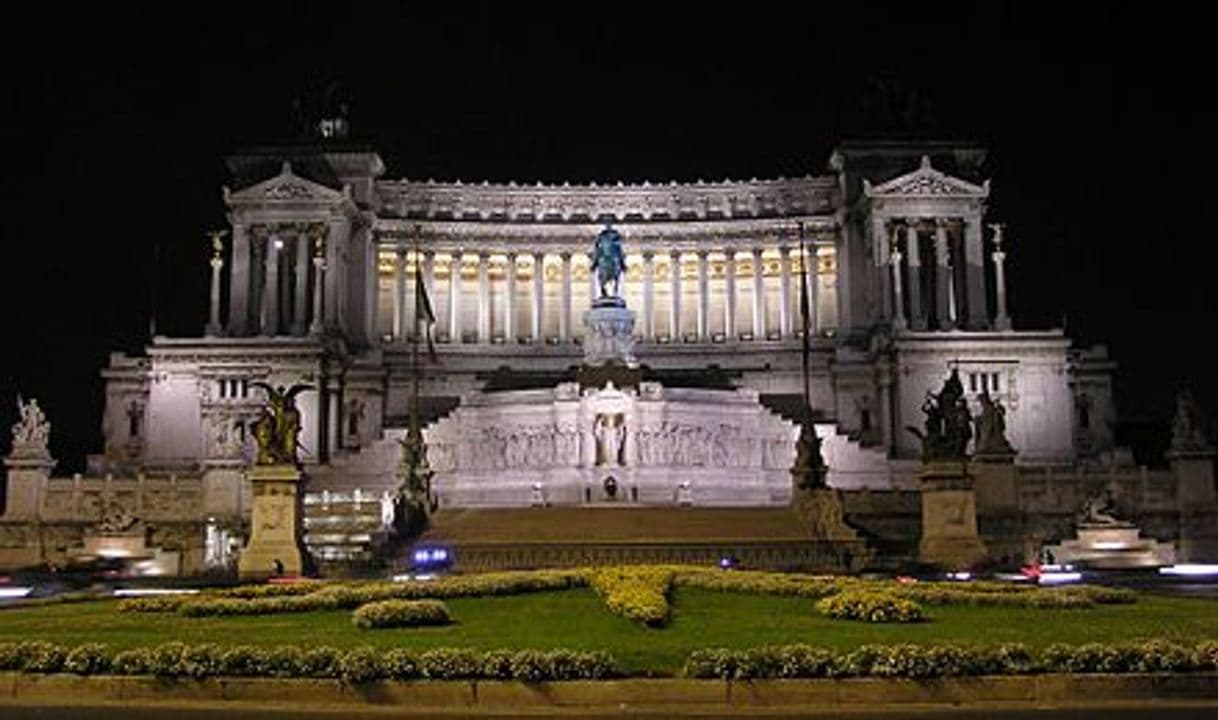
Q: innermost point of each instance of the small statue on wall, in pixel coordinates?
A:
(610, 432)
(1187, 427)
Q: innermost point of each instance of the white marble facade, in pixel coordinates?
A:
(317, 284)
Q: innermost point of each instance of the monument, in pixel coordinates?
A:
(949, 505)
(29, 463)
(1192, 460)
(1104, 541)
(274, 546)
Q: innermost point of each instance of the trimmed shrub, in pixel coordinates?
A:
(87, 659)
(244, 660)
(10, 656)
(154, 604)
(870, 606)
(166, 659)
(450, 664)
(132, 662)
(284, 661)
(321, 662)
(361, 665)
(204, 660)
(40, 657)
(400, 613)
(761, 583)
(401, 664)
(1205, 656)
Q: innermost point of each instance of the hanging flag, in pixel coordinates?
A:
(424, 315)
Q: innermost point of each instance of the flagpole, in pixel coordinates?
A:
(804, 311)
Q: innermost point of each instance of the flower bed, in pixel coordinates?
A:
(877, 606)
(400, 613)
(638, 593)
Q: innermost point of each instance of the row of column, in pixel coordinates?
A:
(278, 306)
(957, 298)
(704, 323)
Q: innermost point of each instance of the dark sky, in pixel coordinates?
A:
(115, 123)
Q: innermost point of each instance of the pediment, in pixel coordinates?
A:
(286, 187)
(924, 182)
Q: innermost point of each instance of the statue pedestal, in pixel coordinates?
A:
(29, 468)
(949, 517)
(610, 334)
(995, 482)
(1113, 546)
(275, 523)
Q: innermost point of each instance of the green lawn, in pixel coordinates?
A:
(577, 619)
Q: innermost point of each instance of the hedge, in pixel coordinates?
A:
(400, 613)
(877, 606)
(636, 592)
(927, 661)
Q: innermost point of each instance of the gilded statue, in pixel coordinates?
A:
(277, 429)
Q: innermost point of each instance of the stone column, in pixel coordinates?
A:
(649, 295)
(784, 301)
(319, 283)
(454, 297)
(484, 298)
(898, 303)
(509, 300)
(539, 279)
(879, 244)
(399, 294)
(943, 278)
(239, 282)
(1001, 320)
(917, 318)
(758, 296)
(300, 302)
(703, 298)
(564, 313)
(674, 304)
(270, 293)
(213, 318)
(729, 295)
(974, 258)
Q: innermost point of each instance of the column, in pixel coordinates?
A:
(703, 298)
(758, 296)
(300, 309)
(898, 303)
(974, 259)
(319, 272)
(239, 282)
(399, 294)
(509, 300)
(674, 305)
(943, 278)
(879, 240)
(484, 298)
(454, 297)
(213, 318)
(270, 292)
(917, 318)
(729, 295)
(1001, 320)
(784, 301)
(539, 278)
(564, 313)
(649, 267)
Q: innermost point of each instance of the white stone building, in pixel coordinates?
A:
(905, 281)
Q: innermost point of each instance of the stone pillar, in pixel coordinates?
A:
(898, 302)
(484, 298)
(300, 302)
(974, 258)
(564, 313)
(758, 296)
(509, 300)
(729, 295)
(703, 298)
(213, 317)
(913, 262)
(674, 305)
(399, 294)
(1001, 320)
(943, 278)
(880, 247)
(454, 297)
(29, 470)
(539, 279)
(270, 293)
(319, 283)
(949, 517)
(649, 268)
(275, 523)
(1197, 501)
(239, 283)
(784, 300)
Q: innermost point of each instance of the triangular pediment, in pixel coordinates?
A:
(287, 187)
(926, 181)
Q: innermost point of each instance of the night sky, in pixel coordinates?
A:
(115, 123)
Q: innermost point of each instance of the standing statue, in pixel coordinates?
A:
(277, 429)
(610, 432)
(991, 427)
(32, 431)
(609, 262)
(1187, 428)
(948, 426)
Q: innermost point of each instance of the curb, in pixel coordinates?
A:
(675, 694)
